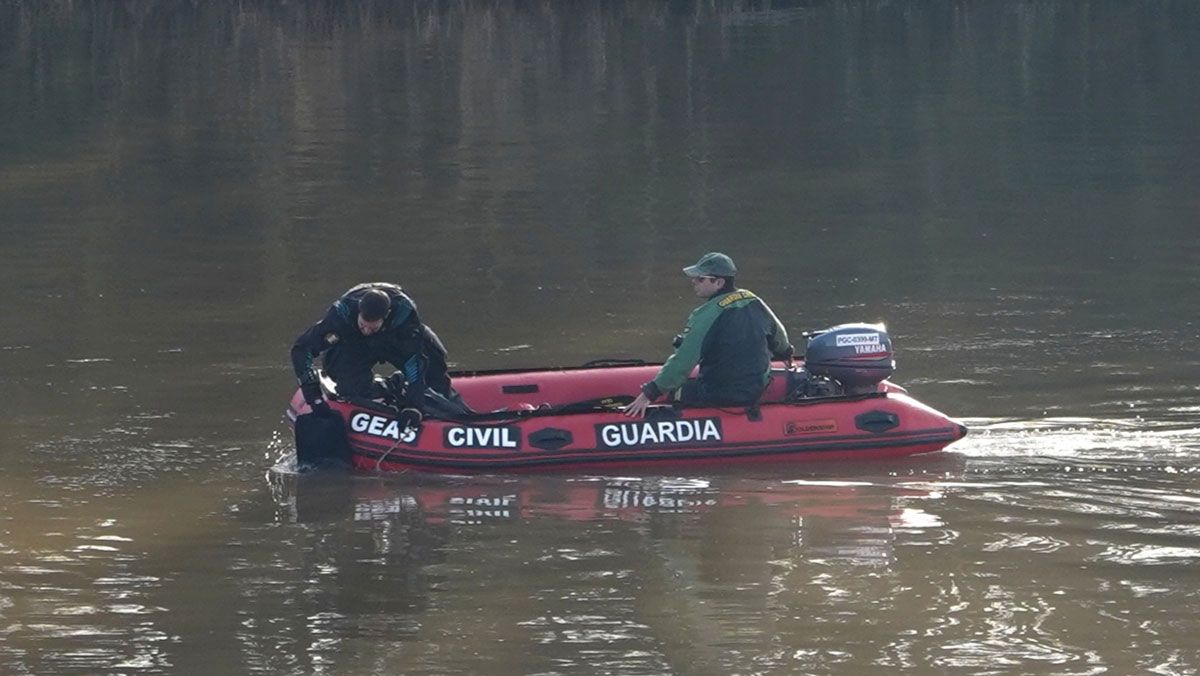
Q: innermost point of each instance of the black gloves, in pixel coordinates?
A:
(410, 417)
(314, 397)
(395, 388)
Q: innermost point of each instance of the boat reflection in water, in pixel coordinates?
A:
(570, 573)
(848, 517)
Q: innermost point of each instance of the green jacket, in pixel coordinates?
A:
(733, 337)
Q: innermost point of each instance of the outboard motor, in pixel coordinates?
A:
(859, 356)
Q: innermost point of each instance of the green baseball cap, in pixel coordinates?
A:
(712, 264)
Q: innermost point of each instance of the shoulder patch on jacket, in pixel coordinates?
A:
(735, 297)
(331, 338)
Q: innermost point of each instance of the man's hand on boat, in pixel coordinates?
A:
(637, 409)
(315, 398)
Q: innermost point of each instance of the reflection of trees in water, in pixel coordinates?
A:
(580, 146)
(643, 116)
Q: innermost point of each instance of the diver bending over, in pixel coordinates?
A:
(370, 324)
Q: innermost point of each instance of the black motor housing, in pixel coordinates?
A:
(859, 356)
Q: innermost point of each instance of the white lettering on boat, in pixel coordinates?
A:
(483, 437)
(379, 426)
(849, 339)
(659, 433)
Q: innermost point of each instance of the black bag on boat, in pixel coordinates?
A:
(320, 438)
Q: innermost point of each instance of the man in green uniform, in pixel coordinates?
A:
(732, 336)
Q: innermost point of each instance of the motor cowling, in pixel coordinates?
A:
(859, 356)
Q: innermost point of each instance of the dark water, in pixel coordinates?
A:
(1011, 186)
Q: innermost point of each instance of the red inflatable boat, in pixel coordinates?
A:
(570, 418)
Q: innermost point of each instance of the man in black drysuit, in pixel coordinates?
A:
(370, 324)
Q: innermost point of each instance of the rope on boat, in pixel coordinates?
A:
(379, 462)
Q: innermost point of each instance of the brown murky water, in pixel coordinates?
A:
(1010, 186)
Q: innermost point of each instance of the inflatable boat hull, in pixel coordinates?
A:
(536, 433)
